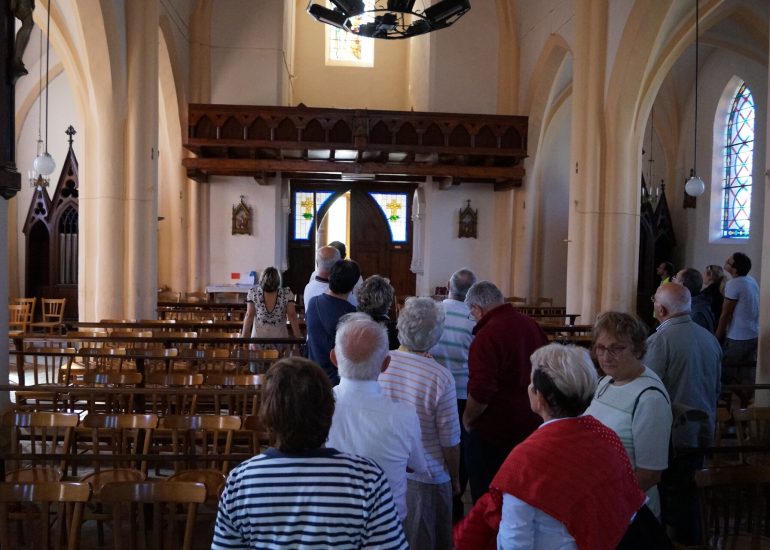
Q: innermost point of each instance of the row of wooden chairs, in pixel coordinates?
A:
(22, 314)
(49, 514)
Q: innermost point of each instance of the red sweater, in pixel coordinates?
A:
(499, 374)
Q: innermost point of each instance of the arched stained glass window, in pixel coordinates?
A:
(305, 208)
(738, 164)
(345, 48)
(393, 205)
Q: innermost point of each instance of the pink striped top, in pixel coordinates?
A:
(430, 387)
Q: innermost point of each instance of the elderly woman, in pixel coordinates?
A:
(375, 297)
(267, 307)
(631, 399)
(569, 484)
(295, 494)
(415, 377)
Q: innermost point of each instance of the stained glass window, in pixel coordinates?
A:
(345, 48)
(306, 206)
(739, 153)
(393, 205)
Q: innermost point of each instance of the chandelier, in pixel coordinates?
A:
(389, 19)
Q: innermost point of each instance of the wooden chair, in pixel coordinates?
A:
(34, 433)
(258, 435)
(164, 497)
(183, 403)
(30, 303)
(103, 402)
(516, 300)
(17, 320)
(734, 506)
(52, 314)
(238, 405)
(542, 301)
(197, 439)
(51, 510)
(752, 426)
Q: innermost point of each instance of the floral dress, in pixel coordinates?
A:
(269, 323)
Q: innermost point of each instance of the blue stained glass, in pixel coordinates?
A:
(393, 206)
(739, 157)
(306, 206)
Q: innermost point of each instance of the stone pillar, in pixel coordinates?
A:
(587, 140)
(141, 160)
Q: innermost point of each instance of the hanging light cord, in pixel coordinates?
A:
(47, 64)
(40, 95)
(695, 133)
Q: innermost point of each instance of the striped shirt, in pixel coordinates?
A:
(452, 348)
(320, 499)
(428, 386)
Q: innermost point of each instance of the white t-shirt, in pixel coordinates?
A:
(745, 322)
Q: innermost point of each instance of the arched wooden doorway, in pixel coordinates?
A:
(373, 243)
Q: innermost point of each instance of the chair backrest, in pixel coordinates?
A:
(17, 317)
(260, 437)
(43, 433)
(240, 405)
(541, 301)
(752, 426)
(516, 300)
(165, 497)
(111, 402)
(30, 304)
(53, 309)
(196, 438)
(734, 508)
(120, 434)
(58, 521)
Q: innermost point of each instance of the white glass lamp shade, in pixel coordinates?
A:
(44, 164)
(694, 186)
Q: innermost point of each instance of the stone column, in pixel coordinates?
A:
(141, 160)
(587, 140)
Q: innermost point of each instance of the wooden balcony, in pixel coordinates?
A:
(334, 144)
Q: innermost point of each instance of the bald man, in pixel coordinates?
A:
(366, 422)
(687, 358)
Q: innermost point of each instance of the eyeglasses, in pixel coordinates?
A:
(613, 351)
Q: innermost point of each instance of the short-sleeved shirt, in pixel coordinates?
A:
(273, 320)
(455, 342)
(643, 426)
(430, 388)
(745, 322)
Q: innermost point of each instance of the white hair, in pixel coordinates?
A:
(570, 369)
(420, 323)
(360, 346)
(484, 295)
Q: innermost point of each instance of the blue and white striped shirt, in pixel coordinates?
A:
(455, 342)
(320, 499)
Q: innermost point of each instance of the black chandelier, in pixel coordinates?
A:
(389, 19)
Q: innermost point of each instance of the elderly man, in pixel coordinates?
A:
(324, 311)
(452, 352)
(300, 494)
(319, 282)
(416, 378)
(497, 414)
(325, 258)
(739, 324)
(366, 422)
(687, 359)
(700, 308)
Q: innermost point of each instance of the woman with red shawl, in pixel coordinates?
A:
(569, 484)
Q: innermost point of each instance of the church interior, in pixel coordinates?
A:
(602, 110)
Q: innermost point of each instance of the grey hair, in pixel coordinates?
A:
(420, 323)
(460, 282)
(675, 298)
(360, 346)
(324, 263)
(571, 371)
(484, 295)
(375, 295)
(692, 279)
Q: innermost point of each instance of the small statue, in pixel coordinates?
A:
(22, 10)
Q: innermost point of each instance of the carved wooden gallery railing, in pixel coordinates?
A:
(257, 140)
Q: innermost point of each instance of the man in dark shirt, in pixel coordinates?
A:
(700, 308)
(324, 311)
(497, 413)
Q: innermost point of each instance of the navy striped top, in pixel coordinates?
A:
(321, 499)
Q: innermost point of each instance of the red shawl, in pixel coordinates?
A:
(577, 471)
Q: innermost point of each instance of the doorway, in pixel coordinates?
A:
(377, 231)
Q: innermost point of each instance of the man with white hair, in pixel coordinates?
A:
(325, 258)
(687, 358)
(366, 422)
(497, 413)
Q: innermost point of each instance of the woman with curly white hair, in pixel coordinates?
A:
(414, 377)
